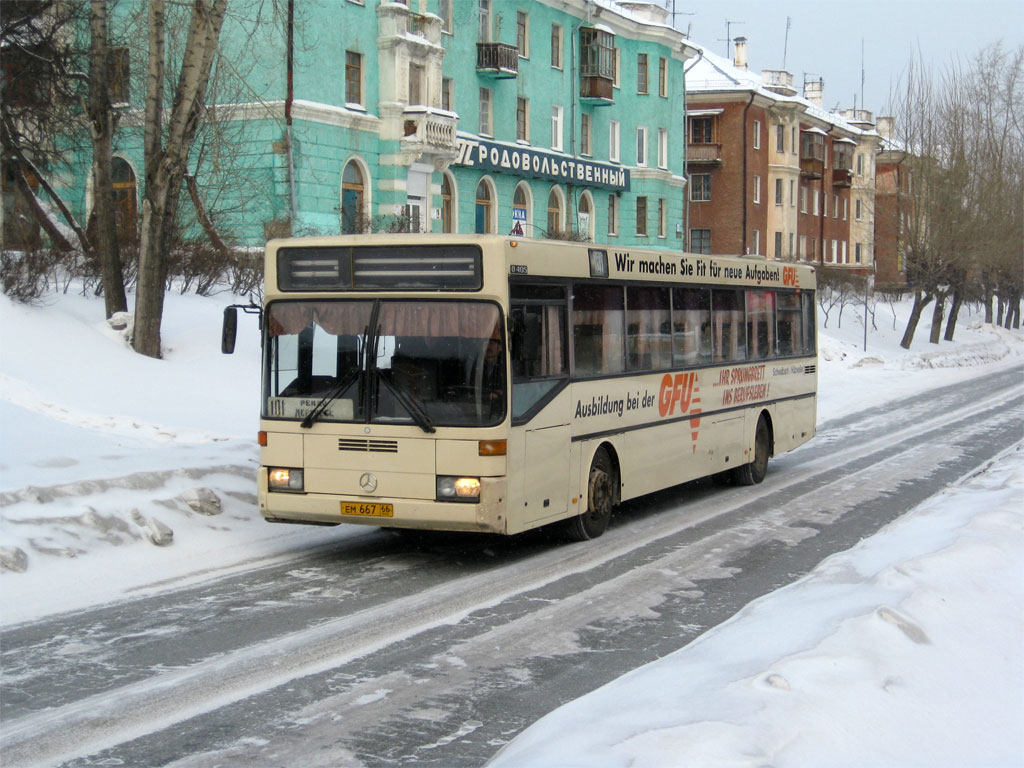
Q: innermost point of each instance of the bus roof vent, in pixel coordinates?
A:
(380, 267)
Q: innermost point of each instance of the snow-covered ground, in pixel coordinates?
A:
(121, 475)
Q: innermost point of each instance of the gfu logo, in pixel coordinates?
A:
(681, 390)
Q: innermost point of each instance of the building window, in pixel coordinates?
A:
(803, 199)
(613, 141)
(702, 130)
(700, 241)
(416, 74)
(641, 216)
(641, 73)
(617, 68)
(845, 253)
(484, 30)
(486, 118)
(792, 196)
(815, 203)
(444, 10)
(120, 76)
(778, 245)
(352, 200)
(757, 189)
(793, 143)
(586, 134)
(662, 148)
(856, 209)
(556, 46)
(700, 187)
(663, 77)
(613, 213)
(835, 206)
(484, 208)
(520, 208)
(803, 246)
(522, 119)
(757, 134)
(757, 241)
(641, 147)
(554, 212)
(585, 216)
(447, 204)
(860, 164)
(353, 77)
(780, 138)
(523, 33)
(846, 208)
(778, 191)
(835, 252)
(447, 93)
(790, 251)
(662, 217)
(858, 252)
(556, 127)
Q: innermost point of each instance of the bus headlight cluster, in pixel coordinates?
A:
(281, 479)
(450, 488)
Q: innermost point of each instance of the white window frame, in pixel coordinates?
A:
(757, 242)
(557, 138)
(556, 31)
(614, 131)
(816, 202)
(641, 146)
(757, 189)
(524, 52)
(486, 112)
(525, 138)
(757, 134)
(662, 218)
(662, 148)
(485, 12)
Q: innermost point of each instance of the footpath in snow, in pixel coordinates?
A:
(121, 476)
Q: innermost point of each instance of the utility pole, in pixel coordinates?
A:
(785, 45)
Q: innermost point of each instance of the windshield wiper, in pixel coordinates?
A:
(330, 397)
(410, 404)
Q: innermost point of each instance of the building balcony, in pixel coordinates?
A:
(596, 90)
(428, 130)
(497, 59)
(704, 153)
(841, 177)
(812, 168)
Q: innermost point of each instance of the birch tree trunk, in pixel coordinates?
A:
(166, 153)
(101, 126)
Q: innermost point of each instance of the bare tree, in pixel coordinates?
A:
(166, 147)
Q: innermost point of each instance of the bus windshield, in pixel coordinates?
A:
(379, 361)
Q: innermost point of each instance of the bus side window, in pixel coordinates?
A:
(728, 321)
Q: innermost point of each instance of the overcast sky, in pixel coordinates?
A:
(825, 37)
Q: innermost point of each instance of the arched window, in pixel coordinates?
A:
(521, 209)
(585, 215)
(555, 226)
(447, 204)
(484, 208)
(352, 200)
(126, 208)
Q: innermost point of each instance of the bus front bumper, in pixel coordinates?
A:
(327, 509)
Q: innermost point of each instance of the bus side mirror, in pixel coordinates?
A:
(229, 330)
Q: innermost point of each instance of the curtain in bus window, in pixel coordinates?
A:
(691, 326)
(807, 297)
(790, 324)
(727, 320)
(553, 360)
(598, 328)
(440, 318)
(648, 331)
(761, 324)
(337, 317)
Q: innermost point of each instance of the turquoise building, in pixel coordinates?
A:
(557, 118)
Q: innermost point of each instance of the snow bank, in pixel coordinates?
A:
(868, 660)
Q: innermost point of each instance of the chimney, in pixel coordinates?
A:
(885, 128)
(814, 90)
(740, 52)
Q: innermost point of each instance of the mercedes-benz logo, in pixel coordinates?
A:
(368, 482)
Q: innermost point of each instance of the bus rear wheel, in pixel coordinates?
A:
(600, 500)
(754, 472)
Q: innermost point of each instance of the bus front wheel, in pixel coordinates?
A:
(754, 472)
(600, 500)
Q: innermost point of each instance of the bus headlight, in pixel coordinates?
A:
(280, 479)
(450, 488)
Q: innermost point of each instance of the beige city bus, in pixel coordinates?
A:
(498, 384)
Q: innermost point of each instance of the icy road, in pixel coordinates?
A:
(387, 649)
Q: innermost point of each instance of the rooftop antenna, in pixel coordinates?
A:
(785, 45)
(862, 73)
(728, 38)
(681, 13)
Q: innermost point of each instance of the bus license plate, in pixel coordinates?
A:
(367, 509)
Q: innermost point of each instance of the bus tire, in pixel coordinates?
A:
(600, 500)
(754, 472)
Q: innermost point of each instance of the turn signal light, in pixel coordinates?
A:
(493, 447)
